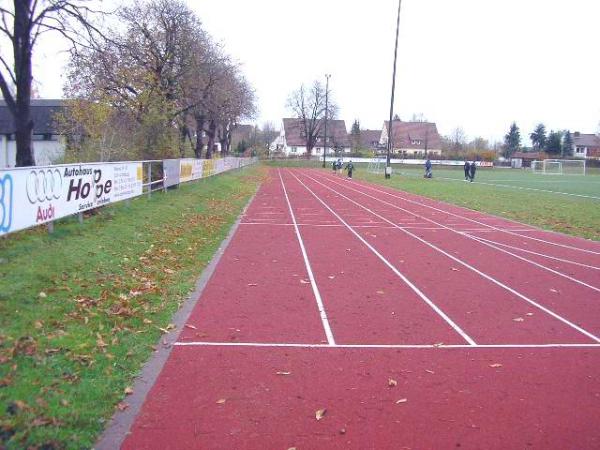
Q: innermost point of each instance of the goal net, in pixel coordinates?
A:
(559, 167)
(376, 165)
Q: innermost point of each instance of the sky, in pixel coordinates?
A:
(474, 64)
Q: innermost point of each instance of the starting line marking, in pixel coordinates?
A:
(377, 346)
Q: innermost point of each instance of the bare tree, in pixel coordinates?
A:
(308, 105)
(22, 25)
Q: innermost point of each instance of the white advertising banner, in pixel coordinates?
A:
(190, 169)
(35, 195)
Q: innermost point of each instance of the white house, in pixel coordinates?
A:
(292, 138)
(586, 145)
(48, 144)
(412, 138)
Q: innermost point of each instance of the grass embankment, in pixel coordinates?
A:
(81, 310)
(515, 194)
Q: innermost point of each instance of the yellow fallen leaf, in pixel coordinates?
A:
(123, 406)
(402, 400)
(380, 292)
(42, 295)
(304, 281)
(283, 373)
(518, 319)
(495, 366)
(221, 401)
(429, 371)
(392, 382)
(320, 413)
(128, 390)
(192, 327)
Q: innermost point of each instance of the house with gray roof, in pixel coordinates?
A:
(292, 138)
(586, 145)
(48, 144)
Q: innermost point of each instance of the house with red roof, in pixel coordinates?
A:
(292, 140)
(412, 138)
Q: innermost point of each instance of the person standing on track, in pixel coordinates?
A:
(467, 168)
(350, 168)
(472, 171)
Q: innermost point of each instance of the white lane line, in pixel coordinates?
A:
(479, 240)
(523, 188)
(423, 297)
(313, 283)
(532, 252)
(481, 223)
(379, 346)
(468, 266)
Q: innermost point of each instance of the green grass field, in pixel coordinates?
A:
(565, 203)
(81, 310)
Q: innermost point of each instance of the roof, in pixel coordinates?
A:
(369, 138)
(336, 131)
(42, 114)
(415, 135)
(586, 140)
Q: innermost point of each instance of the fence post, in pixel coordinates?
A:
(51, 227)
(80, 218)
(149, 179)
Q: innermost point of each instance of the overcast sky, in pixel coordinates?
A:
(475, 64)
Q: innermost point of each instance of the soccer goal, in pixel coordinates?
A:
(376, 165)
(559, 167)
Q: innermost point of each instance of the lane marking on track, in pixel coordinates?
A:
(480, 240)
(532, 252)
(313, 283)
(415, 289)
(470, 267)
(380, 346)
(466, 230)
(481, 223)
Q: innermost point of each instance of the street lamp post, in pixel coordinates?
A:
(327, 76)
(388, 166)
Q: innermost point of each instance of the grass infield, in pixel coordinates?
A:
(538, 200)
(81, 310)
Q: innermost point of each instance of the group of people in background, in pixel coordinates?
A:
(338, 166)
(470, 169)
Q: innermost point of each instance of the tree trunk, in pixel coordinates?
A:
(22, 58)
(183, 133)
(199, 135)
(224, 141)
(212, 131)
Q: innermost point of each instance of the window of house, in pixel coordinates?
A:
(318, 150)
(294, 149)
(416, 142)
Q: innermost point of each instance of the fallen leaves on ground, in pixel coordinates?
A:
(283, 373)
(392, 382)
(221, 401)
(128, 390)
(518, 319)
(122, 406)
(320, 413)
(495, 365)
(402, 400)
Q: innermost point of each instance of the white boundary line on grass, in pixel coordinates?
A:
(468, 266)
(415, 289)
(380, 346)
(313, 283)
(481, 223)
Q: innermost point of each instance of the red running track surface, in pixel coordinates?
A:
(469, 357)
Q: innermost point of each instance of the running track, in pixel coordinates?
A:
(330, 288)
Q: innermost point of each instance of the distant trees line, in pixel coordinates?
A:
(154, 84)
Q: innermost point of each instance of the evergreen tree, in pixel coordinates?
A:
(355, 135)
(567, 146)
(538, 137)
(554, 142)
(512, 140)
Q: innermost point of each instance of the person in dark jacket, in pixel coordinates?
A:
(350, 168)
(428, 173)
(467, 168)
(472, 171)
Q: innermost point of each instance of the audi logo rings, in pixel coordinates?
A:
(44, 184)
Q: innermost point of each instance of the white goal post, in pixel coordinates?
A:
(559, 167)
(377, 164)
